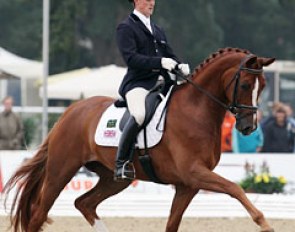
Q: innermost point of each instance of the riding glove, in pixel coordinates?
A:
(184, 68)
(168, 63)
(179, 80)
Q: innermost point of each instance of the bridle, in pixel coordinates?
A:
(234, 106)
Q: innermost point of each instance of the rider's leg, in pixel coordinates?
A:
(136, 104)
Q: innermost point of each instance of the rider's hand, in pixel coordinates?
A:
(179, 80)
(168, 63)
(184, 68)
(172, 76)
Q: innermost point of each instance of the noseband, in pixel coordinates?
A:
(234, 106)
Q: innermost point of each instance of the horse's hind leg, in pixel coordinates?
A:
(182, 198)
(106, 187)
(57, 176)
(208, 180)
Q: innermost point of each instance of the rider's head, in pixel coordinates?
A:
(146, 7)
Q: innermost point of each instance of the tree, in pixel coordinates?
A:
(100, 27)
(66, 51)
(194, 33)
(263, 27)
(21, 27)
(82, 33)
(93, 25)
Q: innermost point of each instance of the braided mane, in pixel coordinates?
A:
(219, 53)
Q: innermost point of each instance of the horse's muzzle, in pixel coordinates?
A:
(245, 124)
(247, 131)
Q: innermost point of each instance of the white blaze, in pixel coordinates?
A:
(254, 96)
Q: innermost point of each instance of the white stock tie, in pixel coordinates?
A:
(148, 25)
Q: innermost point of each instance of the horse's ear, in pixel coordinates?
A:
(266, 61)
(252, 60)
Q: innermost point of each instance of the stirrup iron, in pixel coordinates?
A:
(128, 167)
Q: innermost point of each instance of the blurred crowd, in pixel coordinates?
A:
(274, 133)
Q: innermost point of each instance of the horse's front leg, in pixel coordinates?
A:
(182, 198)
(208, 180)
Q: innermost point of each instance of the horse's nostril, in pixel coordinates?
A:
(247, 130)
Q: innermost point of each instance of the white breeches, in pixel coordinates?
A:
(136, 103)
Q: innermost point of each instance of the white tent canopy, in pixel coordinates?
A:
(85, 82)
(16, 66)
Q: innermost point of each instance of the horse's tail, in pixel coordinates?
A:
(28, 180)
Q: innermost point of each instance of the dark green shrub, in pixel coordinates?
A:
(29, 131)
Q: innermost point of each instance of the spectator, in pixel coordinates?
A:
(271, 117)
(248, 143)
(11, 127)
(291, 120)
(226, 132)
(278, 135)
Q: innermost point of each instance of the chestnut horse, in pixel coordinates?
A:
(230, 79)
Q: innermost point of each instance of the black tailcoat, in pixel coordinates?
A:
(142, 52)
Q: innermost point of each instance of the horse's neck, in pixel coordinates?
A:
(212, 78)
(212, 86)
(200, 106)
(196, 110)
(196, 106)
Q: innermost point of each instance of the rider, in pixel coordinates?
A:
(148, 56)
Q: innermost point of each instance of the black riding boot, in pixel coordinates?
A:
(124, 166)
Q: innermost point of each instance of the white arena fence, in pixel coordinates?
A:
(144, 199)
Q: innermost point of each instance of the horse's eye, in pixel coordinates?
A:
(245, 86)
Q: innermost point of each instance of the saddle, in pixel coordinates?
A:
(153, 99)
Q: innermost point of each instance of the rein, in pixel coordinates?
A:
(198, 87)
(234, 105)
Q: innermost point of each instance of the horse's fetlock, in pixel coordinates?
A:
(259, 218)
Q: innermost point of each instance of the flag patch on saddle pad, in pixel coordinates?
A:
(108, 132)
(112, 123)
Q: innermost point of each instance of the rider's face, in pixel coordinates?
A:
(146, 7)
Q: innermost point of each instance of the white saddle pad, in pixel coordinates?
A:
(108, 132)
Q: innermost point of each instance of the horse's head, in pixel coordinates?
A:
(243, 87)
